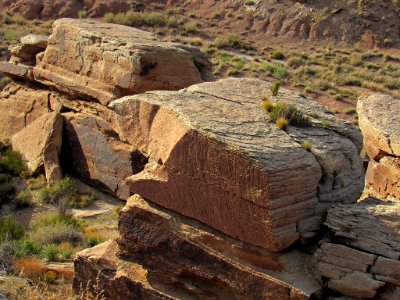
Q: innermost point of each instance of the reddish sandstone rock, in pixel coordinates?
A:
(103, 62)
(40, 145)
(94, 153)
(20, 105)
(215, 157)
(162, 255)
(380, 124)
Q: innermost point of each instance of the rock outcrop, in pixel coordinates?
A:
(380, 124)
(227, 193)
(102, 62)
(40, 145)
(214, 156)
(165, 256)
(364, 255)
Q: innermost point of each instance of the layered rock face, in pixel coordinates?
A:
(226, 191)
(361, 258)
(380, 124)
(364, 255)
(178, 258)
(215, 157)
(102, 62)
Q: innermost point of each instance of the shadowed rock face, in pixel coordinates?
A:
(106, 61)
(176, 258)
(214, 156)
(380, 123)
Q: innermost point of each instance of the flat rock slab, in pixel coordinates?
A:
(163, 253)
(103, 61)
(20, 105)
(215, 156)
(40, 145)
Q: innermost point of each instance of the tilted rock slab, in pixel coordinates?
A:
(379, 119)
(20, 105)
(215, 156)
(103, 61)
(365, 254)
(40, 145)
(162, 255)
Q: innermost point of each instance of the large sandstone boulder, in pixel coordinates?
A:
(40, 145)
(165, 256)
(215, 156)
(103, 62)
(20, 105)
(379, 119)
(364, 255)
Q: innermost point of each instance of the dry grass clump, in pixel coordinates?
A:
(138, 19)
(231, 41)
(31, 268)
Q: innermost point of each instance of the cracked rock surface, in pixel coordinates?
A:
(380, 124)
(215, 156)
(364, 256)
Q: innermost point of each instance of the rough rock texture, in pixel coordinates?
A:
(106, 61)
(365, 254)
(20, 105)
(40, 145)
(214, 156)
(165, 256)
(94, 152)
(380, 123)
(26, 52)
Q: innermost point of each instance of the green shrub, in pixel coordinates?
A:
(295, 62)
(275, 87)
(231, 41)
(92, 241)
(52, 228)
(51, 252)
(64, 192)
(11, 162)
(10, 229)
(50, 277)
(6, 189)
(4, 81)
(23, 199)
(26, 247)
(56, 234)
(290, 113)
(36, 183)
(275, 69)
(82, 14)
(277, 55)
(267, 105)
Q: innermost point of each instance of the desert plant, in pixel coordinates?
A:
(56, 234)
(31, 268)
(290, 113)
(23, 199)
(277, 70)
(82, 14)
(275, 87)
(11, 162)
(267, 105)
(26, 247)
(282, 123)
(51, 252)
(7, 257)
(306, 146)
(4, 81)
(230, 41)
(36, 183)
(277, 55)
(10, 229)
